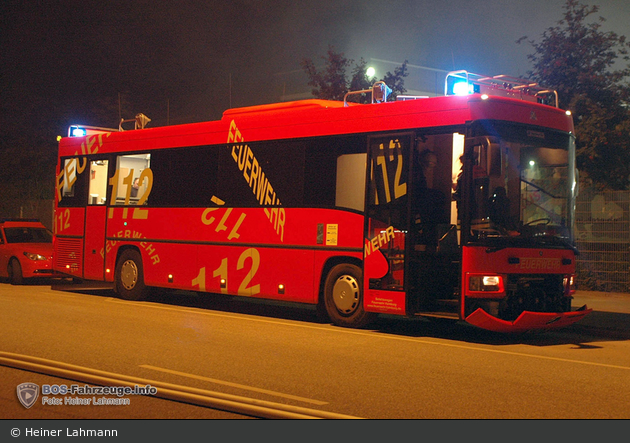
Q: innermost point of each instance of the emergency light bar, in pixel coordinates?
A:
(82, 131)
(465, 83)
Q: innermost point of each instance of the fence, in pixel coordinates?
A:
(603, 239)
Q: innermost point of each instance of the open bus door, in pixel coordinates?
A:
(387, 223)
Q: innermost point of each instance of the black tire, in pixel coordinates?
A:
(343, 297)
(15, 272)
(130, 276)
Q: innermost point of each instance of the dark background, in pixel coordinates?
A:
(92, 62)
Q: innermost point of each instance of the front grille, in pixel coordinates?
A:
(535, 293)
(68, 255)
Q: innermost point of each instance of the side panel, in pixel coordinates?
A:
(276, 253)
(94, 253)
(284, 274)
(385, 302)
(68, 241)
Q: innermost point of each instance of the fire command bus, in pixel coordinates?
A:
(458, 206)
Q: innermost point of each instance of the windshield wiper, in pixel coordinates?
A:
(541, 189)
(552, 239)
(532, 241)
(495, 249)
(563, 242)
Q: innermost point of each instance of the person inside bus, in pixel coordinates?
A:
(135, 187)
(499, 210)
(428, 204)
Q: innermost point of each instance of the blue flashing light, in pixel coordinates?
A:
(78, 132)
(462, 88)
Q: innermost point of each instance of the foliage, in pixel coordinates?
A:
(332, 82)
(27, 175)
(582, 63)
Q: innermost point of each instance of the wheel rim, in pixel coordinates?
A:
(345, 294)
(129, 274)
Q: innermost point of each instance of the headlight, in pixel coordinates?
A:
(570, 286)
(33, 256)
(485, 283)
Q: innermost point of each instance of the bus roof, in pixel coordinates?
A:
(316, 118)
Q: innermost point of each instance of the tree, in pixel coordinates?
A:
(582, 63)
(332, 83)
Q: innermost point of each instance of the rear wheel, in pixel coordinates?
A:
(130, 276)
(15, 272)
(343, 297)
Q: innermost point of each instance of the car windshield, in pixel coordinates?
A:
(523, 190)
(28, 235)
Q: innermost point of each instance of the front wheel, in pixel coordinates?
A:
(15, 272)
(130, 277)
(343, 297)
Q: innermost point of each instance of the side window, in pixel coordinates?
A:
(334, 172)
(295, 173)
(71, 183)
(351, 181)
(262, 174)
(132, 181)
(184, 177)
(69, 177)
(98, 182)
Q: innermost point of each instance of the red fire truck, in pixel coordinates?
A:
(458, 206)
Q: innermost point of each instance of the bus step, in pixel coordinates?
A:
(79, 285)
(451, 315)
(450, 305)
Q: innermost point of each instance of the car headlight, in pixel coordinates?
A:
(33, 256)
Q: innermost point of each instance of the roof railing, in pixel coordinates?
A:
(464, 82)
(140, 121)
(380, 91)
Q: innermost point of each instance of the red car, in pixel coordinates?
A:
(25, 250)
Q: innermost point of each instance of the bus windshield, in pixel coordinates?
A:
(523, 187)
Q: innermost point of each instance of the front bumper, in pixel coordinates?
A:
(38, 268)
(527, 321)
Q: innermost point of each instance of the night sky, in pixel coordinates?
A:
(69, 61)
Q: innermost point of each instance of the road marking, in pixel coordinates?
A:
(169, 391)
(236, 385)
(40, 294)
(373, 334)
